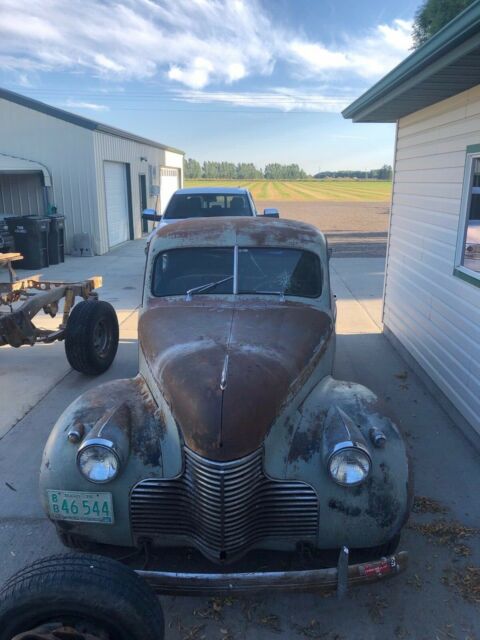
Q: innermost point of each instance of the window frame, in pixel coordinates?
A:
(204, 195)
(460, 270)
(236, 250)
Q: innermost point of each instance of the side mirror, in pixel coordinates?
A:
(271, 213)
(151, 215)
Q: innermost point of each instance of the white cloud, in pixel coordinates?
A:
(279, 98)
(196, 75)
(194, 43)
(24, 81)
(105, 63)
(236, 71)
(370, 56)
(90, 106)
(316, 57)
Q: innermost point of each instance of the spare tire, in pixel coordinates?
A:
(91, 336)
(95, 596)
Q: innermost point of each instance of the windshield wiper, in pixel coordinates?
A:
(205, 287)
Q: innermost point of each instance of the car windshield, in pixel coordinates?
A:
(211, 270)
(207, 205)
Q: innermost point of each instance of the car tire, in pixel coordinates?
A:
(91, 336)
(92, 594)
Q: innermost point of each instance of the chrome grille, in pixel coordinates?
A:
(223, 509)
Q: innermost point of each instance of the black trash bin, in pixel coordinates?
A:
(30, 234)
(6, 239)
(56, 239)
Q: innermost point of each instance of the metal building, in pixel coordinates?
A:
(99, 177)
(431, 307)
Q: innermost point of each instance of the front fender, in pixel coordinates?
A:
(148, 435)
(365, 515)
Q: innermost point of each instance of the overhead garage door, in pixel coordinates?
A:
(116, 197)
(169, 183)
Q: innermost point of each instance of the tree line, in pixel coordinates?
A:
(384, 173)
(211, 170)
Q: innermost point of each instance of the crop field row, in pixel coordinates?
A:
(308, 190)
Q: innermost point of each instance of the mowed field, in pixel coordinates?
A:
(308, 190)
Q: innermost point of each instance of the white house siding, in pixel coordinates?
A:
(67, 150)
(434, 314)
(112, 148)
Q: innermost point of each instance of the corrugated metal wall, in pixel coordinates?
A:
(67, 151)
(433, 313)
(112, 148)
(21, 194)
(74, 157)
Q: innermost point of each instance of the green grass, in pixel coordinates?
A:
(308, 190)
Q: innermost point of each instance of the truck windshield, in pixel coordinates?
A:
(243, 270)
(207, 205)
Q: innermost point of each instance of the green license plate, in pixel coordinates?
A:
(80, 506)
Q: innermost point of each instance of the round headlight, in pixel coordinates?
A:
(98, 463)
(349, 466)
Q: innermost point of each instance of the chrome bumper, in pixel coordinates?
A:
(338, 578)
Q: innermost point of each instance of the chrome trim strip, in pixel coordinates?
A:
(235, 270)
(223, 379)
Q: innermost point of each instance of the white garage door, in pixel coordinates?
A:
(116, 202)
(169, 183)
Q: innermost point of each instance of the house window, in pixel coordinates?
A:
(468, 247)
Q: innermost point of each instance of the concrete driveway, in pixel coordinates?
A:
(430, 601)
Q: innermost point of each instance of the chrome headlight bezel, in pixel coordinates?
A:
(348, 447)
(99, 443)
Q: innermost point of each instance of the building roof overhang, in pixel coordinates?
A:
(80, 121)
(447, 64)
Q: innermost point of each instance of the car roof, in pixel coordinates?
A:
(244, 231)
(211, 190)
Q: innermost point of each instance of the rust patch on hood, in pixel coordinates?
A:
(121, 407)
(245, 231)
(225, 407)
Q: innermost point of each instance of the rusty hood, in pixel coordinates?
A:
(226, 370)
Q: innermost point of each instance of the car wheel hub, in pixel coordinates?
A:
(57, 631)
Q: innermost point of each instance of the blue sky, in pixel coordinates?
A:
(239, 80)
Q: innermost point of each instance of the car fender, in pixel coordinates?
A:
(128, 415)
(365, 515)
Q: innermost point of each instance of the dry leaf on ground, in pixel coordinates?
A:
(422, 504)
(444, 532)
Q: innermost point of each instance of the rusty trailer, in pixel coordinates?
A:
(90, 331)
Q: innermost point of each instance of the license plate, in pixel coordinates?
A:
(80, 506)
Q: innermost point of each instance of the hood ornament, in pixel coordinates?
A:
(223, 379)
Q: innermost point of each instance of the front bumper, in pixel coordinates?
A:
(332, 579)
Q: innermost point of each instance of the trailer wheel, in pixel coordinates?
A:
(91, 336)
(97, 597)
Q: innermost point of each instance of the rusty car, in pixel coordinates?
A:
(234, 438)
